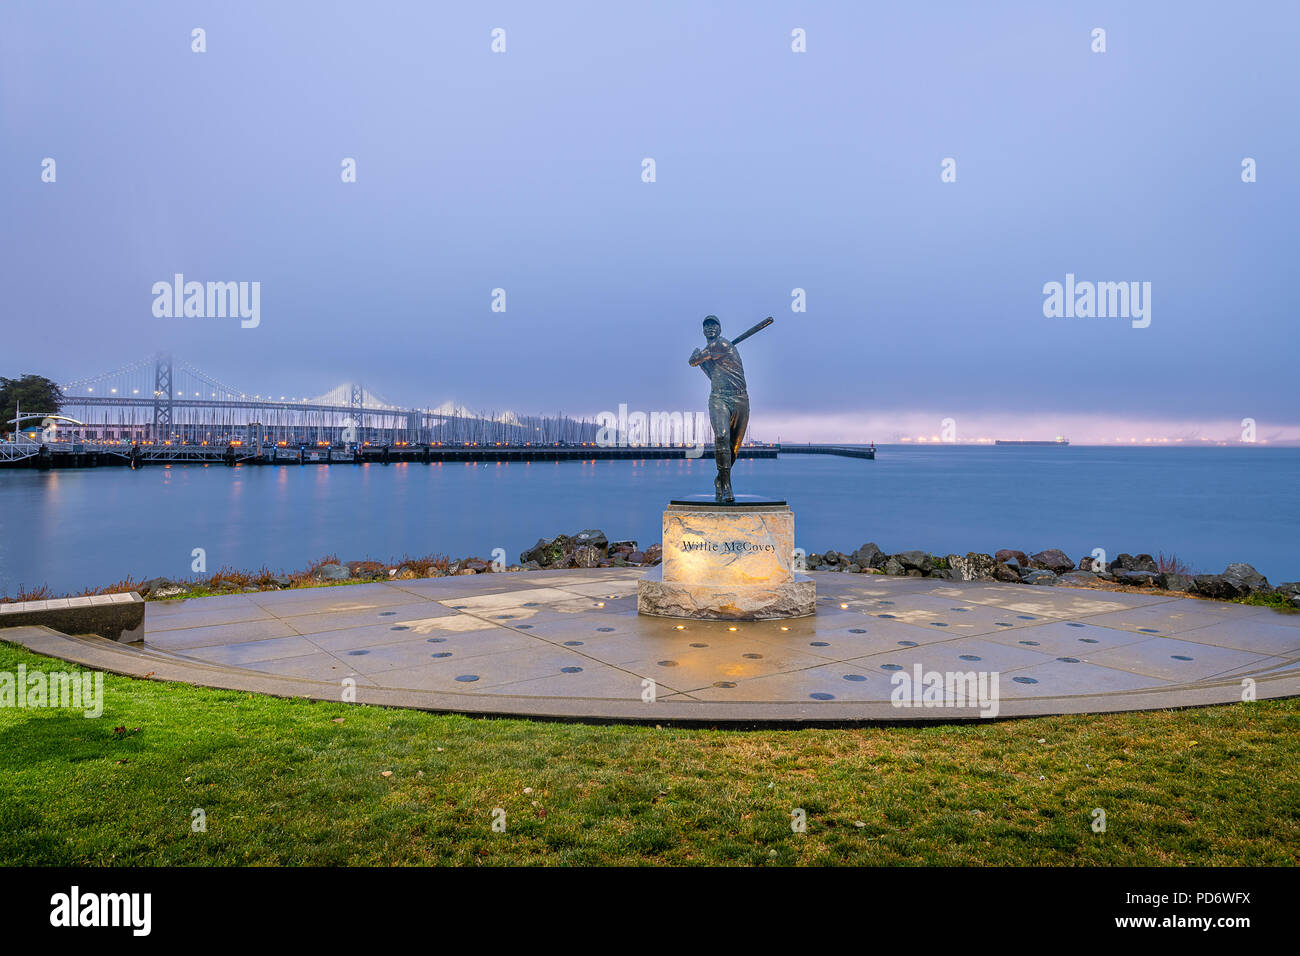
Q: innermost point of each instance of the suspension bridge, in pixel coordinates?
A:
(161, 410)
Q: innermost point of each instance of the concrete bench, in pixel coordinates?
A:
(118, 617)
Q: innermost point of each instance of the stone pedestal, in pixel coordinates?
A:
(727, 562)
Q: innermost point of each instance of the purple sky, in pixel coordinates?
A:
(775, 170)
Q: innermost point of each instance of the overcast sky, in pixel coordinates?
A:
(775, 170)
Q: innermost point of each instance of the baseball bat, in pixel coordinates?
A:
(748, 332)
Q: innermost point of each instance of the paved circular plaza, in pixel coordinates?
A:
(569, 644)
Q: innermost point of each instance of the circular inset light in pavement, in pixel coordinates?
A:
(1029, 643)
(441, 654)
(970, 657)
(573, 643)
(724, 683)
(698, 644)
(667, 663)
(467, 678)
(907, 643)
(888, 617)
(571, 670)
(753, 657)
(1068, 660)
(357, 653)
(1089, 640)
(387, 613)
(604, 629)
(1073, 624)
(399, 627)
(1180, 657)
(891, 667)
(857, 630)
(1024, 680)
(437, 640)
(819, 644)
(855, 677)
(821, 696)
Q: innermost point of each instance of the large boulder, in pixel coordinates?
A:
(1006, 556)
(1078, 579)
(1175, 582)
(1247, 579)
(590, 539)
(654, 554)
(158, 589)
(587, 556)
(1038, 576)
(547, 551)
(973, 567)
(868, 556)
(331, 572)
(1005, 572)
(894, 566)
(1127, 562)
(1215, 586)
(915, 561)
(1138, 579)
(1051, 560)
(831, 558)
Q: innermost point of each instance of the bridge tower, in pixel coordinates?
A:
(355, 404)
(162, 397)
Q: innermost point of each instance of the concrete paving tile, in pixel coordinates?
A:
(478, 603)
(1162, 657)
(1065, 638)
(1265, 635)
(492, 671)
(594, 681)
(606, 590)
(390, 614)
(209, 615)
(319, 666)
(346, 639)
(160, 609)
(1168, 617)
(1057, 679)
(213, 634)
(698, 667)
(237, 655)
(963, 654)
(841, 681)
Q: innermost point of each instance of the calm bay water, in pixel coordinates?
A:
(1209, 506)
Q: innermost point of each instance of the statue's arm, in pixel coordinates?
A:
(715, 351)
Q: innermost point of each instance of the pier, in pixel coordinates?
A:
(844, 451)
(46, 456)
(98, 454)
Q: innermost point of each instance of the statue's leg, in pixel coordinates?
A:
(739, 425)
(737, 422)
(720, 419)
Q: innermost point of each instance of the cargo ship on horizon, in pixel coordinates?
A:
(1058, 440)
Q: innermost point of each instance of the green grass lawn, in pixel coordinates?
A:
(296, 782)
